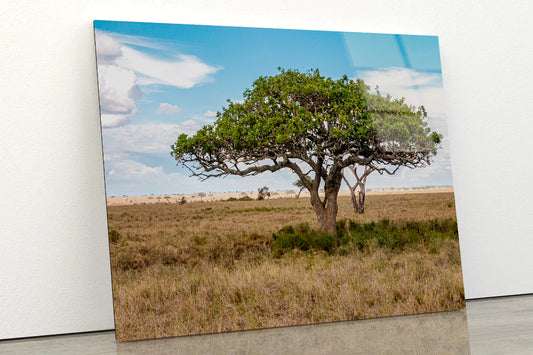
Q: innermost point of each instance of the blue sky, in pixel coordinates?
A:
(157, 81)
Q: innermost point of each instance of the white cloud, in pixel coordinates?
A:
(185, 71)
(139, 41)
(418, 88)
(207, 117)
(146, 138)
(167, 109)
(438, 124)
(209, 113)
(130, 169)
(118, 92)
(190, 125)
(401, 77)
(107, 48)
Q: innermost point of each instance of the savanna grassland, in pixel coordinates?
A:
(206, 267)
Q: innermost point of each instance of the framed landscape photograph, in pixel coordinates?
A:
(267, 177)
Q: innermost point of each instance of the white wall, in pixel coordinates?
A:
(54, 263)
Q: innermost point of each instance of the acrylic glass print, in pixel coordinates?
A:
(266, 177)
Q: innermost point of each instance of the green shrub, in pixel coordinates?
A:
(244, 198)
(302, 237)
(114, 236)
(395, 236)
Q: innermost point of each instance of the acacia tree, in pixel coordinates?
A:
(263, 193)
(298, 183)
(404, 140)
(312, 125)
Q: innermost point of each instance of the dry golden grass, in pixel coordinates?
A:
(207, 267)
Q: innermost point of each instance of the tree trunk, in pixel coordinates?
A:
(331, 218)
(326, 210)
(358, 202)
(361, 206)
(327, 218)
(355, 203)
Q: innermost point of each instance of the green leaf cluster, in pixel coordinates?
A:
(401, 127)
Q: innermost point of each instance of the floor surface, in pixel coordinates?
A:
(488, 326)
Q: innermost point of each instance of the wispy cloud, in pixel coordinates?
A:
(139, 41)
(209, 113)
(184, 71)
(167, 109)
(130, 169)
(146, 138)
(418, 88)
(207, 117)
(402, 78)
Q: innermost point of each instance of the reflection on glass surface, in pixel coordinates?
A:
(435, 333)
